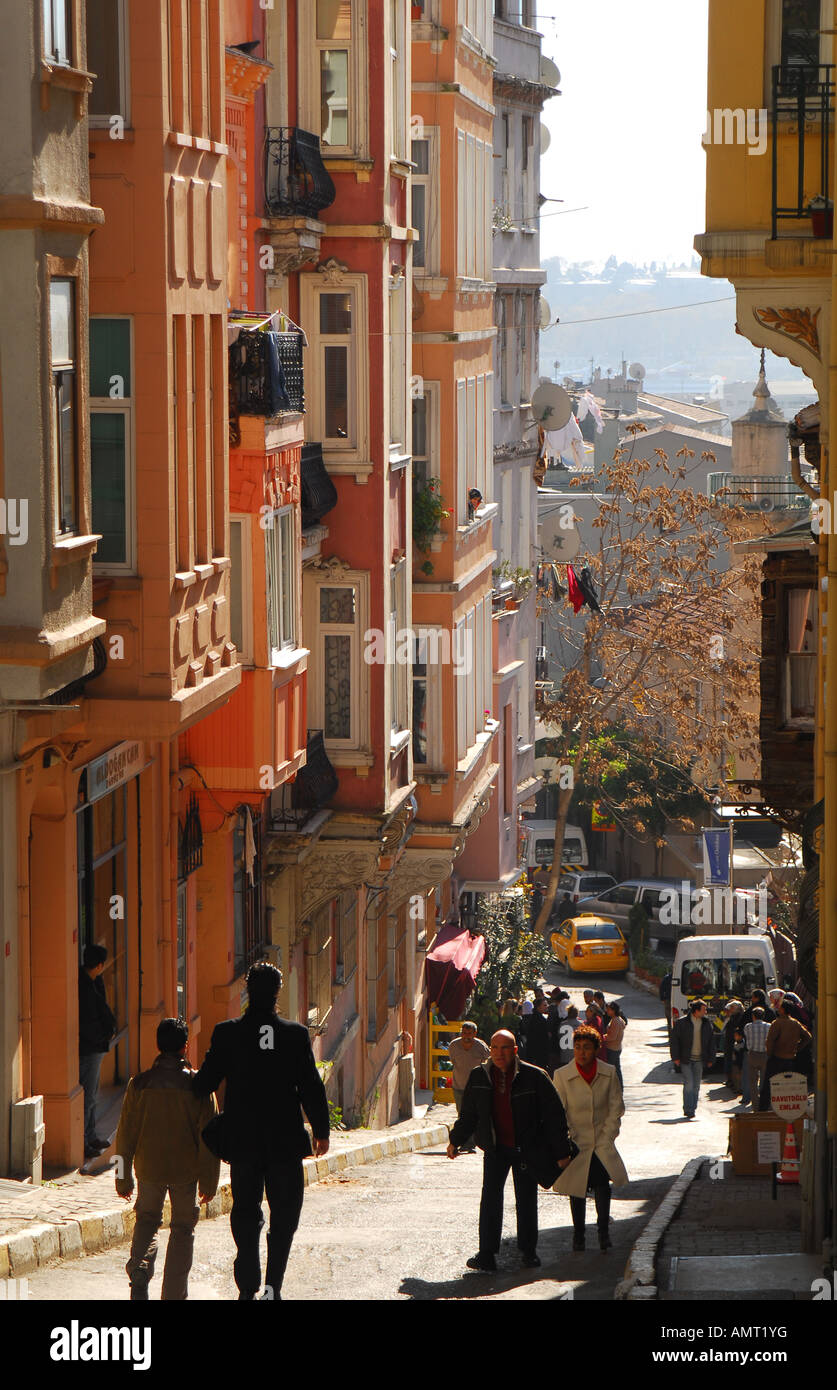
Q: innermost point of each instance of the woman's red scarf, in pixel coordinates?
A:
(589, 1073)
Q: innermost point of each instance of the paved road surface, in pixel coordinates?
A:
(402, 1228)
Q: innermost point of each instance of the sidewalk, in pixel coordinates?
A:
(717, 1235)
(78, 1214)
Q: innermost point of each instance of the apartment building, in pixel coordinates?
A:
(770, 231)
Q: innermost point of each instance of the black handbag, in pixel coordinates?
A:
(214, 1135)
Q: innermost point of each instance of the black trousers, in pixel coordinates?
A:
(599, 1183)
(495, 1170)
(282, 1183)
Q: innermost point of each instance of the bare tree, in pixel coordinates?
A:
(666, 646)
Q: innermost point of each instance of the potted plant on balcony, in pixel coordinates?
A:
(429, 511)
(821, 212)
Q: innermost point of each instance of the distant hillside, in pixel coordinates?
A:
(681, 349)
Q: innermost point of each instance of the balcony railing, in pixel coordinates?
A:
(319, 494)
(802, 109)
(296, 182)
(762, 493)
(266, 373)
(294, 803)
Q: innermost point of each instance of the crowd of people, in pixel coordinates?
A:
(559, 1134)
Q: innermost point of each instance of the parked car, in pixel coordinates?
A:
(590, 944)
(583, 885)
(651, 894)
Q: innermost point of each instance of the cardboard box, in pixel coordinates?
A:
(743, 1141)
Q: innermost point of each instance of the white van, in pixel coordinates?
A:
(719, 968)
(540, 845)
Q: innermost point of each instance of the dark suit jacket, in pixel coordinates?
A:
(537, 1112)
(681, 1040)
(96, 1023)
(271, 1077)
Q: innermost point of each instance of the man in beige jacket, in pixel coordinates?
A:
(160, 1136)
(590, 1093)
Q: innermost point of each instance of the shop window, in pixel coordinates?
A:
(101, 844)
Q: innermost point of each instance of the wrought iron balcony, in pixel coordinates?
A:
(801, 113)
(295, 803)
(319, 494)
(266, 373)
(763, 493)
(296, 182)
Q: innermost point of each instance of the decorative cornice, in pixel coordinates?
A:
(332, 271)
(801, 325)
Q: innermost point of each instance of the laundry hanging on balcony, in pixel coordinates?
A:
(582, 590)
(566, 440)
(588, 405)
(266, 373)
(549, 582)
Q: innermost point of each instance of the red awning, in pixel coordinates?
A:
(452, 969)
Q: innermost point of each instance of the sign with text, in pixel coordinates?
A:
(113, 768)
(789, 1095)
(717, 857)
(768, 1145)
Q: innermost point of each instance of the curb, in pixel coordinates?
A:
(637, 1284)
(49, 1243)
(642, 984)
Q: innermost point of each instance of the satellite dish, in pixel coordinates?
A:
(551, 406)
(637, 371)
(545, 138)
(544, 313)
(560, 544)
(550, 76)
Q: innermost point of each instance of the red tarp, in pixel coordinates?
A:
(452, 968)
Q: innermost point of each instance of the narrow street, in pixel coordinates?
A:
(402, 1228)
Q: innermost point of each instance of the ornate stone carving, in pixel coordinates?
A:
(417, 872)
(802, 325)
(331, 870)
(331, 566)
(332, 271)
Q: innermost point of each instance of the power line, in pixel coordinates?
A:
(638, 313)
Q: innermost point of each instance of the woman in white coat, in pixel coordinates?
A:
(592, 1099)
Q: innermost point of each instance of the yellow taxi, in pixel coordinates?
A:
(588, 943)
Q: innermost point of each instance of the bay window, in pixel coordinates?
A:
(111, 443)
(337, 614)
(333, 74)
(63, 349)
(58, 32)
(334, 315)
(280, 568)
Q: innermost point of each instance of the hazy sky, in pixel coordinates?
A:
(625, 134)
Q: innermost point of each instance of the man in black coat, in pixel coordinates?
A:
(270, 1072)
(96, 1027)
(693, 1047)
(536, 1035)
(514, 1112)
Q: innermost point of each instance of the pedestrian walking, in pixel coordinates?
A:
(465, 1052)
(514, 1112)
(536, 1035)
(540, 883)
(569, 1026)
(159, 1136)
(665, 997)
(785, 1039)
(755, 1036)
(96, 1028)
(693, 1046)
(616, 1025)
(733, 1045)
(271, 1078)
(591, 1095)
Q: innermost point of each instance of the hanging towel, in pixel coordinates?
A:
(577, 598)
(568, 440)
(588, 589)
(249, 845)
(588, 405)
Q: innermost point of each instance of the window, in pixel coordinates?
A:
(333, 74)
(399, 669)
(346, 912)
(248, 917)
(504, 346)
(800, 33)
(102, 849)
(280, 566)
(425, 434)
(377, 959)
(398, 356)
(475, 16)
(318, 966)
(107, 57)
(111, 443)
(58, 31)
(398, 83)
(800, 676)
(475, 439)
(425, 209)
(335, 319)
(182, 952)
(474, 179)
(241, 588)
(337, 612)
(62, 323)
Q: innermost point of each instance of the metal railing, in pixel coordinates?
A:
(764, 492)
(802, 107)
(318, 493)
(266, 373)
(296, 181)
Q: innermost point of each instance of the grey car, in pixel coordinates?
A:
(649, 893)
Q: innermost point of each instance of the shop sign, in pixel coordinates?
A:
(113, 768)
(789, 1095)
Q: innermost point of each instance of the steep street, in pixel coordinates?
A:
(402, 1228)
